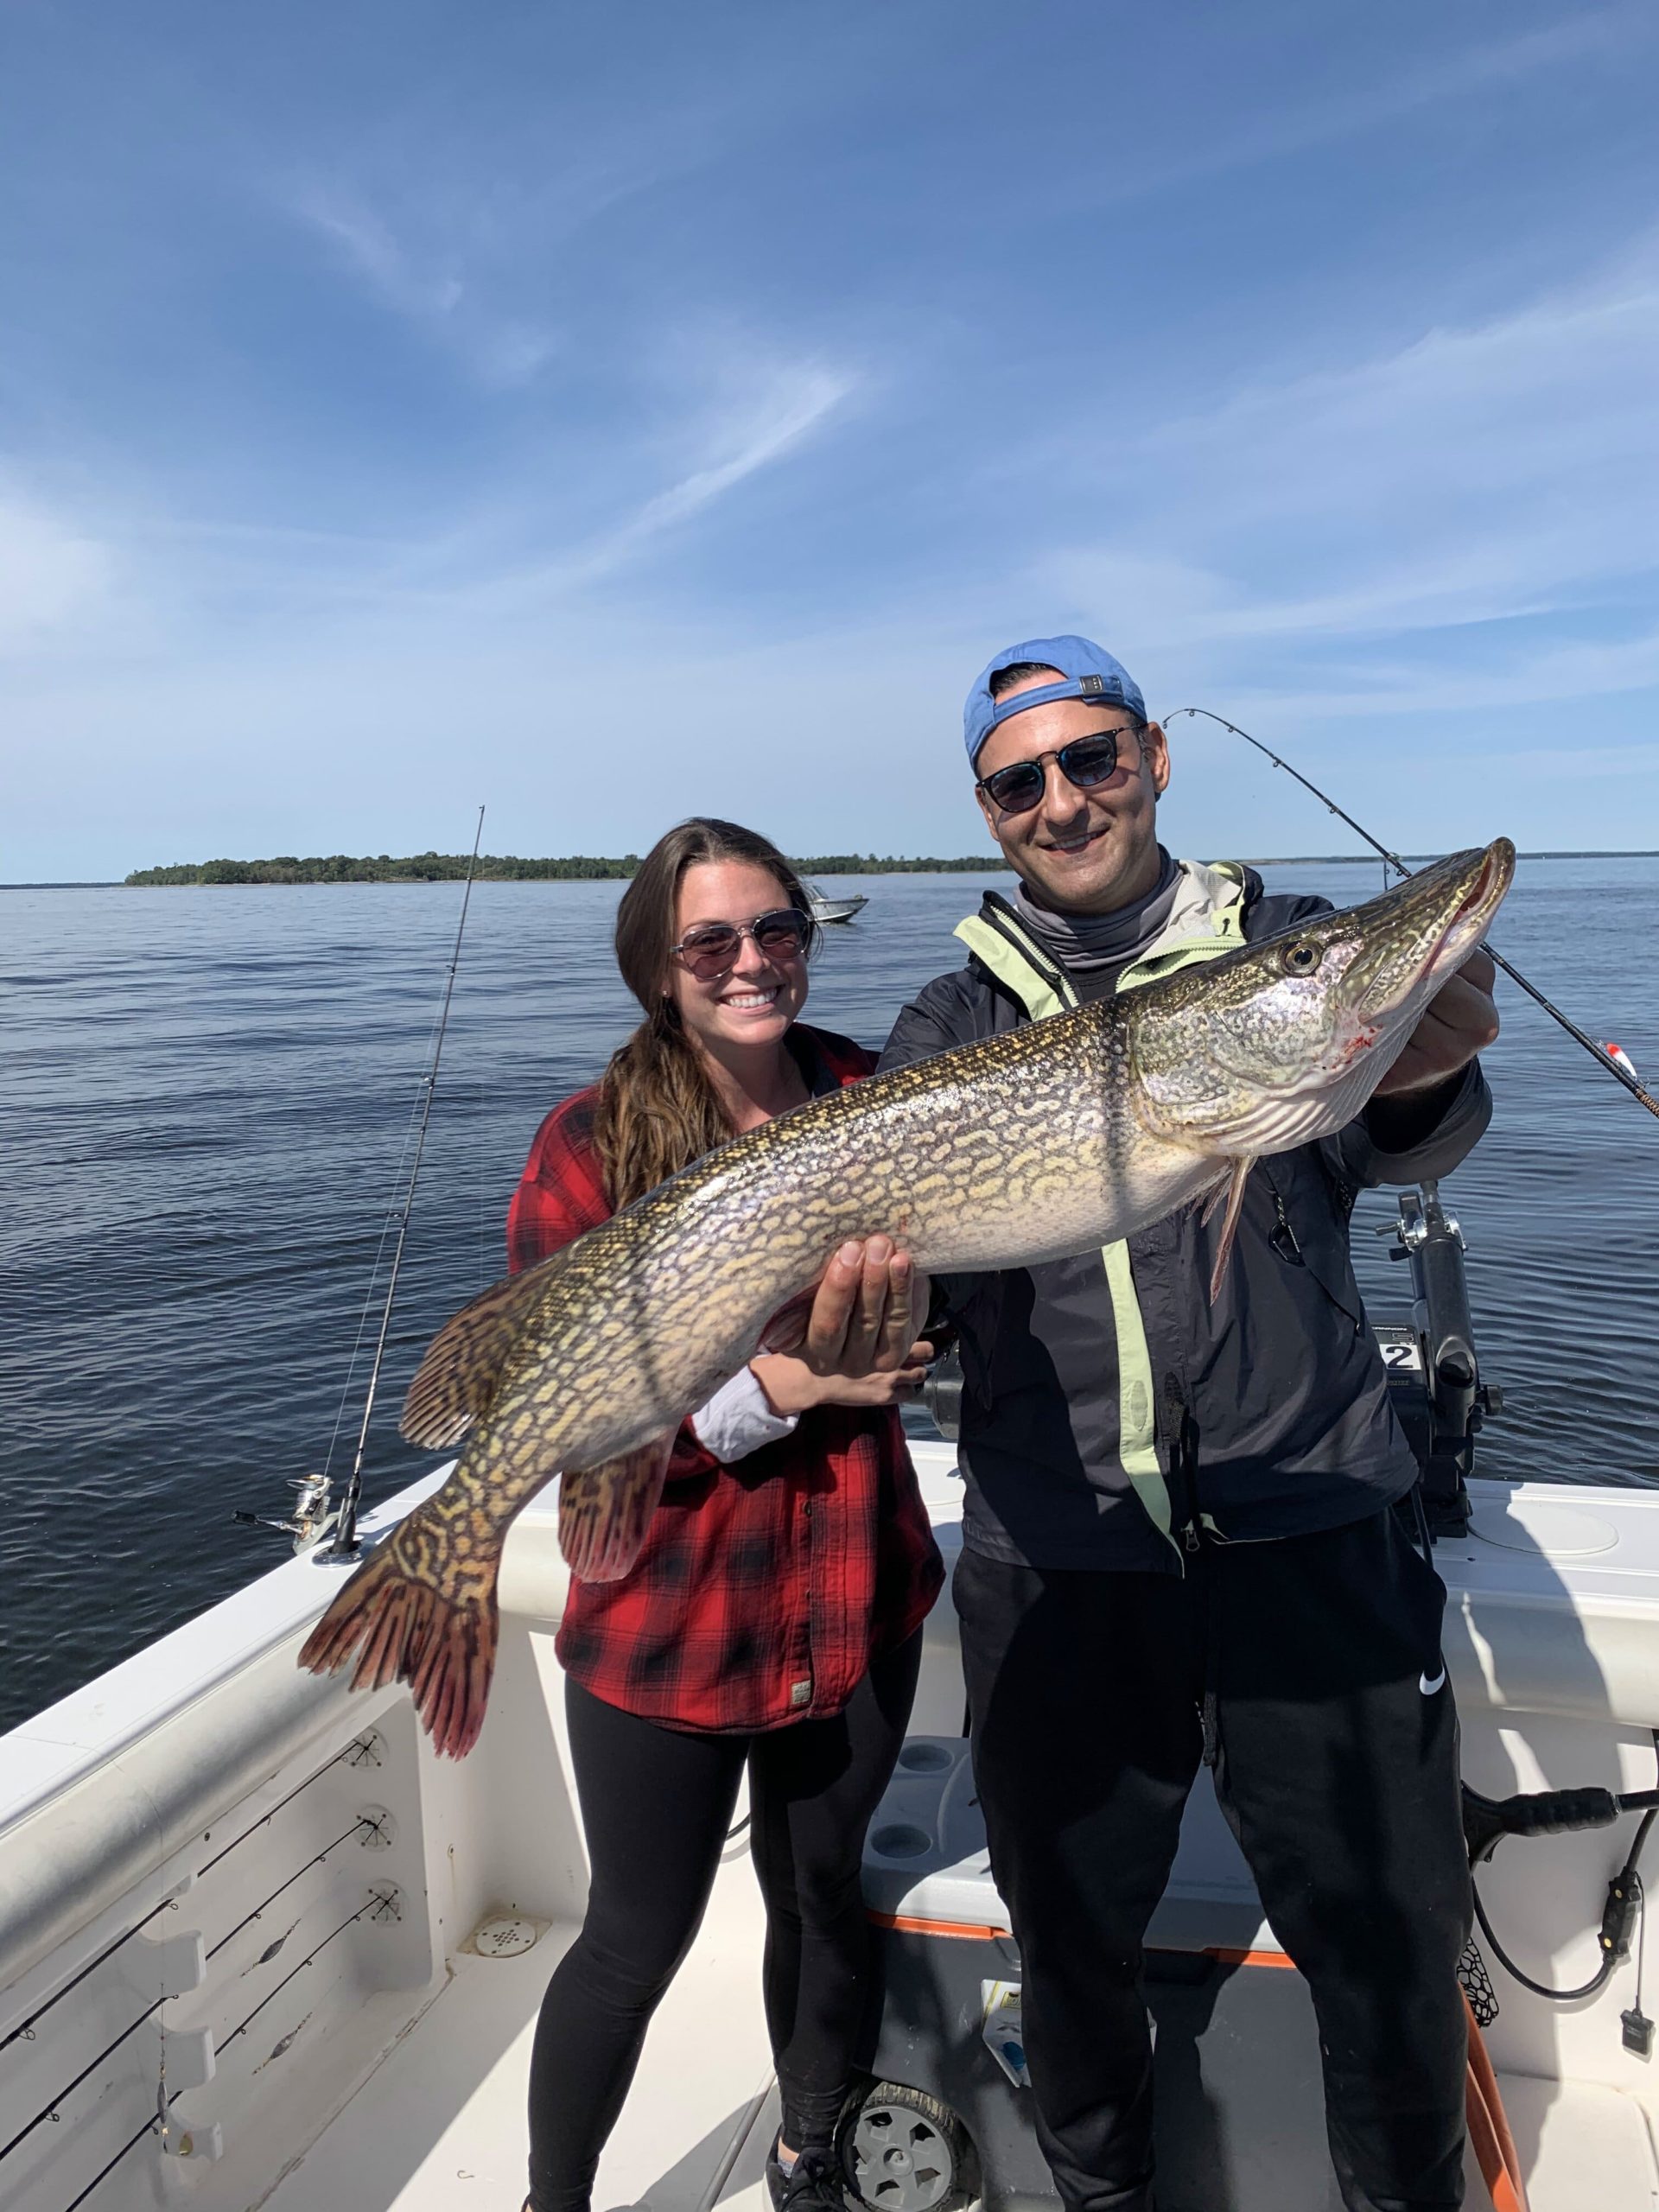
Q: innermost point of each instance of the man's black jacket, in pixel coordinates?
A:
(1271, 1407)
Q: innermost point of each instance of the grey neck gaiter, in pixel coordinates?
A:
(1083, 944)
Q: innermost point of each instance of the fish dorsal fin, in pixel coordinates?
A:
(1234, 1188)
(462, 1371)
(604, 1511)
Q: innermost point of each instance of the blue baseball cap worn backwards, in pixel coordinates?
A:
(1088, 671)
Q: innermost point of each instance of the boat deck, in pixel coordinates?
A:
(695, 2134)
(703, 2110)
(362, 2047)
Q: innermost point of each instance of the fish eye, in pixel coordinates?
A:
(1299, 959)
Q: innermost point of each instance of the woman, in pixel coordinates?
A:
(790, 1511)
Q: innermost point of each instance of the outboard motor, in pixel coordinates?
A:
(1434, 1383)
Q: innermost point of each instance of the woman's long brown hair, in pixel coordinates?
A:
(657, 1111)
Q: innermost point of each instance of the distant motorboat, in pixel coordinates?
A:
(833, 910)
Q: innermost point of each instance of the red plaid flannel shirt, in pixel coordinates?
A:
(763, 1589)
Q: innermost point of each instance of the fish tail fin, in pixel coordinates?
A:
(410, 1615)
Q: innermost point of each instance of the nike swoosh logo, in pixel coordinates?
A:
(1428, 1687)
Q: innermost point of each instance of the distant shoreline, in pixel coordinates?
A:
(453, 867)
(237, 875)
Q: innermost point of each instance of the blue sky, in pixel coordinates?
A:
(612, 410)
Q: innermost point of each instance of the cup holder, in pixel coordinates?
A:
(925, 1759)
(899, 1841)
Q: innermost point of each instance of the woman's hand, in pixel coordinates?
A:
(859, 1345)
(791, 1386)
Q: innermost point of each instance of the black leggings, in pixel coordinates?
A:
(655, 1806)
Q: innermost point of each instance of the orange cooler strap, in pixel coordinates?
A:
(1488, 2128)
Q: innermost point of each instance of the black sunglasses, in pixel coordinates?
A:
(712, 948)
(1085, 762)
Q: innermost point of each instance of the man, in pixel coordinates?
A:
(1178, 1539)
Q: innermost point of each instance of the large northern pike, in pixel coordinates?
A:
(1056, 1138)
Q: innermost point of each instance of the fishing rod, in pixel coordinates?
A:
(1599, 1052)
(343, 1545)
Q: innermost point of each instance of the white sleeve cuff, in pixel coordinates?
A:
(739, 1419)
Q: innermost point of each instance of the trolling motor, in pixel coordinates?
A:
(1434, 1383)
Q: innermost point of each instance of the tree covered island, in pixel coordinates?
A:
(446, 868)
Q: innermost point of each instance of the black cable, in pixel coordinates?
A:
(1592, 1988)
(1625, 1897)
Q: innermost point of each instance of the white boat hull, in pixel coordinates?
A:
(306, 1882)
(838, 910)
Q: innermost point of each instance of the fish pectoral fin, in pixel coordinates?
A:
(1235, 1189)
(1214, 1196)
(462, 1371)
(604, 1511)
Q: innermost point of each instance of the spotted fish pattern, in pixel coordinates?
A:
(1054, 1138)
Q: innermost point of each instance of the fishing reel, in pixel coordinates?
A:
(1434, 1384)
(310, 1519)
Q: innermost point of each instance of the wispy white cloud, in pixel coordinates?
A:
(1271, 133)
(185, 581)
(431, 281)
(1472, 477)
(366, 244)
(781, 411)
(1570, 674)
(474, 263)
(790, 405)
(645, 408)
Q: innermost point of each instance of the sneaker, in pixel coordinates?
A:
(813, 2184)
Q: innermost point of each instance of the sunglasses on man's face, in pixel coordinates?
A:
(711, 948)
(1085, 762)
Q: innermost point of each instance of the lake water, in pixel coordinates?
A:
(208, 1091)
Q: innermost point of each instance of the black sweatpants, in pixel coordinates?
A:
(655, 1806)
(1308, 1671)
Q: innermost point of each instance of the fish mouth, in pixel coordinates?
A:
(1464, 928)
(1444, 913)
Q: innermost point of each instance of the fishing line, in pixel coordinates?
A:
(343, 1544)
(1597, 1052)
(386, 1227)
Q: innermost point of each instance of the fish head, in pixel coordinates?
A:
(1283, 1041)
